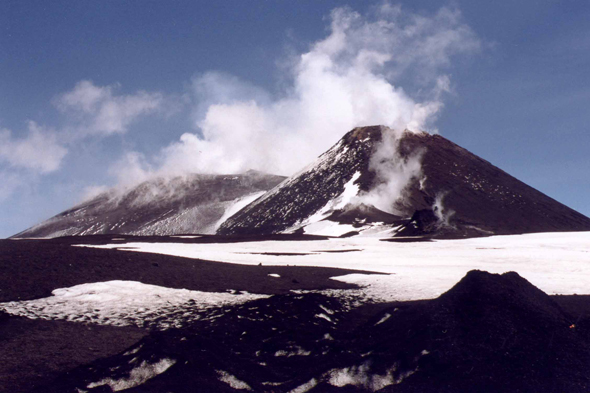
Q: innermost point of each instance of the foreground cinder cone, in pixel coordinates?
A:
(489, 333)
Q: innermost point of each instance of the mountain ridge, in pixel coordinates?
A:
(162, 206)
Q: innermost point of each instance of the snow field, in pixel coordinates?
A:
(557, 263)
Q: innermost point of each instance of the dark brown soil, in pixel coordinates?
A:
(31, 269)
(493, 333)
(34, 352)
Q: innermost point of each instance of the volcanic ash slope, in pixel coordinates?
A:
(193, 203)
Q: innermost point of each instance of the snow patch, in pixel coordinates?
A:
(297, 352)
(361, 376)
(312, 383)
(273, 383)
(385, 318)
(324, 316)
(328, 228)
(137, 376)
(326, 309)
(238, 205)
(133, 351)
(232, 381)
(123, 303)
(350, 192)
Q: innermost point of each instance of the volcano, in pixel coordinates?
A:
(193, 203)
(415, 184)
(375, 179)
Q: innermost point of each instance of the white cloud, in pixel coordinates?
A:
(39, 151)
(23, 159)
(91, 110)
(97, 110)
(215, 87)
(350, 78)
(9, 183)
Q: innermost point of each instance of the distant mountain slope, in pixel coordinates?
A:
(193, 203)
(454, 193)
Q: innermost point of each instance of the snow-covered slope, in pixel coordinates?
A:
(416, 184)
(165, 206)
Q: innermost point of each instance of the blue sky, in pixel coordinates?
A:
(95, 94)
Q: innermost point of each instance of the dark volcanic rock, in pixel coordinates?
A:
(357, 215)
(476, 196)
(489, 333)
(457, 194)
(164, 206)
(267, 345)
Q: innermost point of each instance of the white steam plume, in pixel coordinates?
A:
(348, 79)
(392, 171)
(443, 214)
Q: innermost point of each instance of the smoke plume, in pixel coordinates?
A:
(443, 214)
(350, 78)
(393, 172)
